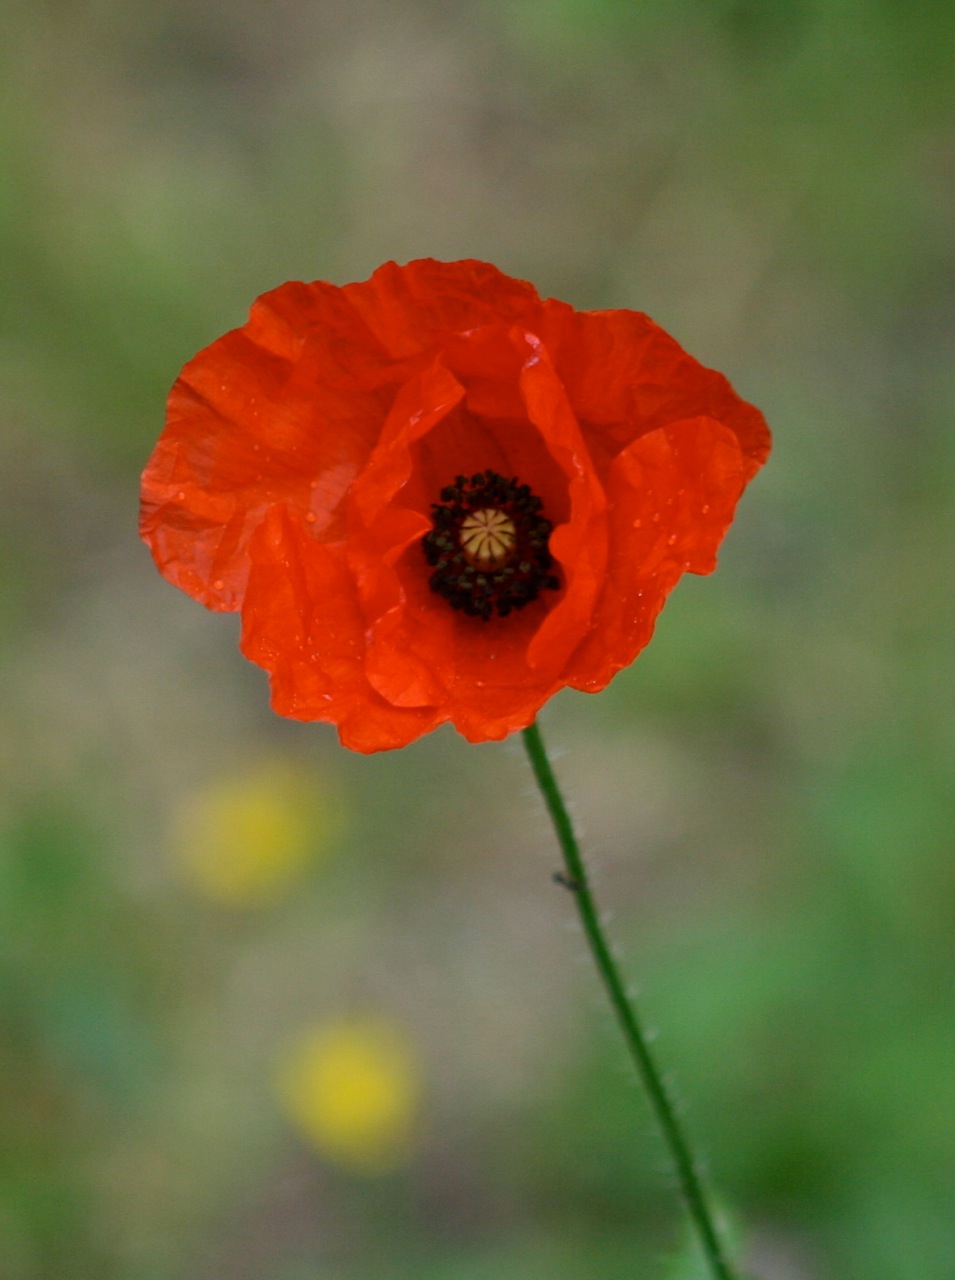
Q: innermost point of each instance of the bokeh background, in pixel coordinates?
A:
(272, 1010)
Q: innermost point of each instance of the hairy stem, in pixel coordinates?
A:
(660, 1102)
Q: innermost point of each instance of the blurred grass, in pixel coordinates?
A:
(767, 792)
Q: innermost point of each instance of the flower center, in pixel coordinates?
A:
(487, 538)
(488, 547)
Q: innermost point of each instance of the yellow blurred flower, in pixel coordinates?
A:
(352, 1088)
(245, 839)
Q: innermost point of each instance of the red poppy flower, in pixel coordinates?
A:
(434, 496)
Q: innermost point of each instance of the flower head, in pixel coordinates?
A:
(436, 497)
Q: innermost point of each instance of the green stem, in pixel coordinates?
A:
(660, 1101)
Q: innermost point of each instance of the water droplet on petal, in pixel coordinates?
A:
(311, 517)
(181, 495)
(706, 508)
(671, 540)
(638, 523)
(218, 585)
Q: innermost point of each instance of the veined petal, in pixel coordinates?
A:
(672, 495)
(416, 307)
(302, 621)
(579, 544)
(286, 409)
(625, 376)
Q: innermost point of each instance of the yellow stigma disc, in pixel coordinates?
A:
(487, 538)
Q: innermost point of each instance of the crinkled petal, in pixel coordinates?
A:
(625, 376)
(411, 308)
(302, 622)
(383, 526)
(672, 495)
(579, 545)
(493, 676)
(285, 409)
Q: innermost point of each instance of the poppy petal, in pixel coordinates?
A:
(302, 622)
(672, 495)
(410, 308)
(248, 425)
(625, 376)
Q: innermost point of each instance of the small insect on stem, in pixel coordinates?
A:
(569, 882)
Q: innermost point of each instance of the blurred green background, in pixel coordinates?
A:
(272, 1010)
